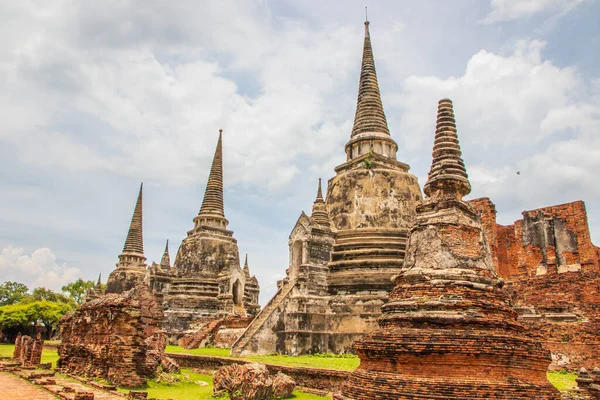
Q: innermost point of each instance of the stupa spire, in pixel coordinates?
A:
(213, 196)
(246, 267)
(212, 212)
(448, 176)
(166, 259)
(135, 237)
(99, 283)
(319, 210)
(319, 192)
(369, 115)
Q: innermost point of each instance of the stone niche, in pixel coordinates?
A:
(115, 337)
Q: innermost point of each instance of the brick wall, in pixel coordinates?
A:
(552, 270)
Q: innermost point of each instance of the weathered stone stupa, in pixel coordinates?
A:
(131, 268)
(448, 330)
(159, 275)
(206, 281)
(342, 257)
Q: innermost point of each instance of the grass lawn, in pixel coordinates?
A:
(345, 362)
(187, 389)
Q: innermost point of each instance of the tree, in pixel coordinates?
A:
(76, 290)
(12, 292)
(15, 316)
(48, 313)
(47, 294)
(24, 315)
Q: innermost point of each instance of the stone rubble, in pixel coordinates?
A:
(251, 382)
(116, 337)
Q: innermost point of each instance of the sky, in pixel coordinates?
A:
(97, 97)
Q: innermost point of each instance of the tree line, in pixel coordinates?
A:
(21, 309)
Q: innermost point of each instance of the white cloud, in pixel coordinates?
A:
(516, 112)
(508, 10)
(499, 101)
(39, 269)
(155, 107)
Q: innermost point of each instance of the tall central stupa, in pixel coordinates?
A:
(342, 258)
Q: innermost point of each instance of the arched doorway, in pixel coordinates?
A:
(238, 292)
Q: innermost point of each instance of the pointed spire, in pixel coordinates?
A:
(448, 176)
(319, 210)
(246, 267)
(213, 196)
(99, 283)
(369, 115)
(319, 192)
(135, 238)
(165, 262)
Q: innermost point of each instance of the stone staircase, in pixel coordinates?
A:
(240, 345)
(197, 339)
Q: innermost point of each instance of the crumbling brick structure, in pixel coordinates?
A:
(589, 383)
(552, 271)
(448, 330)
(116, 337)
(28, 351)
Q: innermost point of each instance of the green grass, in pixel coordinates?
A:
(345, 362)
(562, 380)
(188, 389)
(205, 351)
(6, 350)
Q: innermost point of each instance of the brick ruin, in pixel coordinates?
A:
(448, 327)
(116, 337)
(206, 282)
(28, 350)
(343, 255)
(552, 273)
(588, 383)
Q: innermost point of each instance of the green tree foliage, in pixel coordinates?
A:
(14, 315)
(20, 311)
(76, 290)
(47, 294)
(12, 292)
(25, 315)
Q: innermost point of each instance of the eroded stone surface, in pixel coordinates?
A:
(116, 337)
(251, 382)
(588, 383)
(28, 350)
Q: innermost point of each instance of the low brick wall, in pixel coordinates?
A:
(328, 380)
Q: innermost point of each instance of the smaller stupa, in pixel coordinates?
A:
(448, 330)
(131, 268)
